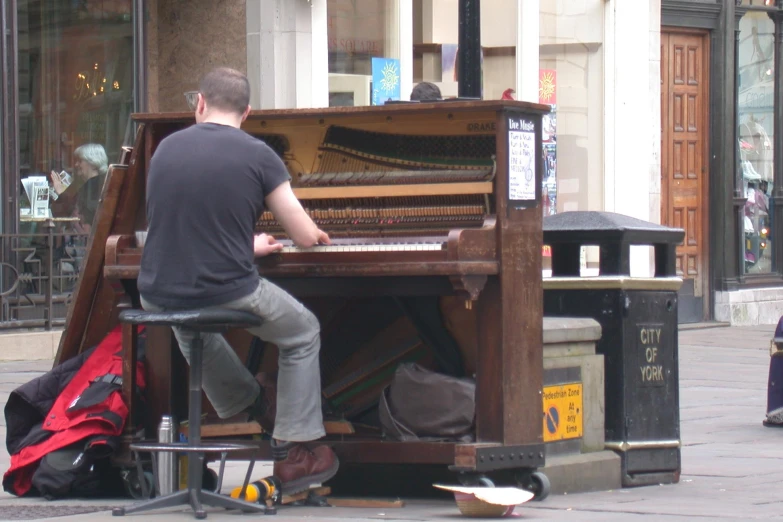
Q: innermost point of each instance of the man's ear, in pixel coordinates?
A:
(201, 105)
(247, 111)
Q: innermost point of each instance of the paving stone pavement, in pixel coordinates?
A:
(732, 466)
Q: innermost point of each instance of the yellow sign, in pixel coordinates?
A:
(563, 417)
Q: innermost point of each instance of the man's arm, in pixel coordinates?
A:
(292, 217)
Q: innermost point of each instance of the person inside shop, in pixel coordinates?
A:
(80, 197)
(207, 185)
(762, 195)
(426, 91)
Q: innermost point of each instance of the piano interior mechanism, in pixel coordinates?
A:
(436, 259)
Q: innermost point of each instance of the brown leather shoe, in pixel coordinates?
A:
(303, 467)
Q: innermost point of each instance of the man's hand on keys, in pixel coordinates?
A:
(264, 244)
(323, 238)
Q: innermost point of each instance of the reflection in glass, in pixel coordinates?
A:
(755, 134)
(571, 80)
(75, 88)
(359, 33)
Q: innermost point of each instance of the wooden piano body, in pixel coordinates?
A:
(436, 259)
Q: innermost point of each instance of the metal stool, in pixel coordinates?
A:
(211, 320)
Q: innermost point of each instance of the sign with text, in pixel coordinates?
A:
(522, 186)
(563, 415)
(356, 28)
(652, 366)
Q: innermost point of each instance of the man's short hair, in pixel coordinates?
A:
(225, 89)
(425, 91)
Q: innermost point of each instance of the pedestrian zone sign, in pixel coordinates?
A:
(563, 414)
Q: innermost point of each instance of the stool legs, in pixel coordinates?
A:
(178, 498)
(195, 460)
(194, 494)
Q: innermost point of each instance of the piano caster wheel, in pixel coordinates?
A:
(472, 480)
(201, 514)
(118, 512)
(133, 485)
(535, 482)
(468, 304)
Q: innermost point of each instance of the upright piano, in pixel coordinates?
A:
(435, 214)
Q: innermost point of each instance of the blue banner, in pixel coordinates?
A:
(385, 80)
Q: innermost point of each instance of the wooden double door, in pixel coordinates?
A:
(684, 161)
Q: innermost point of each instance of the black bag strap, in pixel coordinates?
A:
(110, 378)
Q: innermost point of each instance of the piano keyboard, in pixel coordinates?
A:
(368, 245)
(363, 248)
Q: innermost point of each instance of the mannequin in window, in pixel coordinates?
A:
(758, 149)
(81, 197)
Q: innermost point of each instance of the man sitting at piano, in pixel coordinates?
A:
(207, 186)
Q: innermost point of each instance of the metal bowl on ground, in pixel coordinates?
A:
(487, 502)
(470, 506)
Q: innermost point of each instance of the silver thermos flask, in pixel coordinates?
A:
(167, 461)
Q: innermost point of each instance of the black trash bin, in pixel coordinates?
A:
(638, 317)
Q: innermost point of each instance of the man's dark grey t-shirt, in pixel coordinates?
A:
(205, 192)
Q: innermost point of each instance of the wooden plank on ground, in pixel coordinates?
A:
(321, 492)
(375, 503)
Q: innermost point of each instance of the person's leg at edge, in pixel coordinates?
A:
(229, 386)
(296, 333)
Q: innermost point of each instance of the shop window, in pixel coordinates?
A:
(75, 98)
(363, 39)
(755, 137)
(759, 3)
(435, 45)
(75, 91)
(571, 80)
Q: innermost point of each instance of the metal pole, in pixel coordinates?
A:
(469, 52)
(776, 198)
(50, 275)
(9, 99)
(732, 35)
(10, 108)
(140, 56)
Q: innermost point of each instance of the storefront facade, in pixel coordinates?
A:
(69, 88)
(69, 81)
(731, 245)
(74, 71)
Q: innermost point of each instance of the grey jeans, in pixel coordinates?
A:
(231, 388)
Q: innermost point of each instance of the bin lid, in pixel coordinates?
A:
(594, 227)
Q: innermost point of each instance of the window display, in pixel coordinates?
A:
(755, 133)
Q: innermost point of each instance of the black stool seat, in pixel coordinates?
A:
(202, 320)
